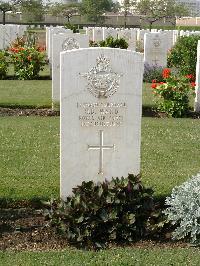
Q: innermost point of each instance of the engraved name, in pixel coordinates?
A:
(101, 114)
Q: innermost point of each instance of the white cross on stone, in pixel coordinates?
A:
(101, 149)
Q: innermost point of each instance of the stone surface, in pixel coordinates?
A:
(197, 89)
(63, 42)
(101, 107)
(52, 31)
(109, 32)
(155, 49)
(130, 36)
(97, 34)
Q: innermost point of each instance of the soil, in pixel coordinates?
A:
(27, 112)
(25, 229)
(4, 111)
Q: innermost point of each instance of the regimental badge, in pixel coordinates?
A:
(156, 42)
(69, 44)
(102, 81)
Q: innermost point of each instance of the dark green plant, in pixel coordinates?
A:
(183, 55)
(98, 214)
(114, 43)
(3, 64)
(72, 27)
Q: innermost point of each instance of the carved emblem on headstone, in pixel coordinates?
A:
(102, 81)
(156, 42)
(70, 43)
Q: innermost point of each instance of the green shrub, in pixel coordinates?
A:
(99, 214)
(183, 55)
(72, 27)
(174, 93)
(184, 210)
(28, 62)
(114, 43)
(3, 64)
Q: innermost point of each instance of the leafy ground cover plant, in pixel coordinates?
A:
(174, 93)
(152, 72)
(183, 210)
(3, 64)
(99, 214)
(183, 55)
(114, 43)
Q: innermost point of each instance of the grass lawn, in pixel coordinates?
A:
(29, 155)
(114, 257)
(25, 93)
(29, 168)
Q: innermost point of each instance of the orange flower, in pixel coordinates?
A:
(29, 58)
(153, 86)
(166, 73)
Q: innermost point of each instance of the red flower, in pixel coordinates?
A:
(153, 86)
(154, 81)
(193, 84)
(166, 73)
(190, 76)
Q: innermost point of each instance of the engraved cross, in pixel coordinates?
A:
(101, 149)
(155, 61)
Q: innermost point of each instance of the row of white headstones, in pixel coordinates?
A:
(100, 95)
(9, 33)
(156, 47)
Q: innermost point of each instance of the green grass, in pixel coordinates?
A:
(114, 257)
(29, 155)
(25, 93)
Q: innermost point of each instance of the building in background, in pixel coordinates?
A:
(192, 5)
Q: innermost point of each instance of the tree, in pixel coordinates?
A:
(126, 6)
(94, 9)
(154, 10)
(5, 7)
(64, 10)
(32, 10)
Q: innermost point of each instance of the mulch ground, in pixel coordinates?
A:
(27, 112)
(148, 112)
(25, 229)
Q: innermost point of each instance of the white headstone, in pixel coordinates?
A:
(63, 42)
(130, 37)
(52, 31)
(89, 32)
(140, 38)
(97, 34)
(197, 89)
(155, 49)
(109, 32)
(101, 107)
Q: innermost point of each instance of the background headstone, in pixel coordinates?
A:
(197, 89)
(63, 42)
(155, 49)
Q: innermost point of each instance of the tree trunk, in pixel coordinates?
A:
(4, 17)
